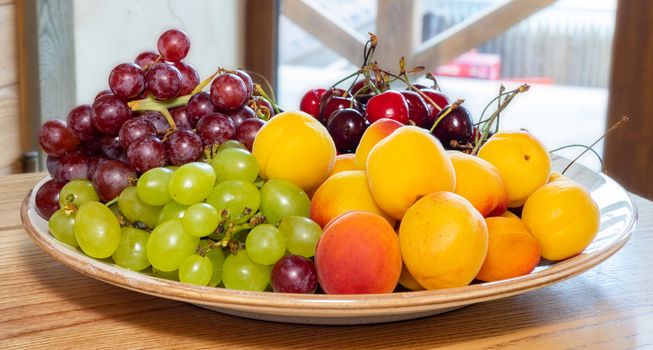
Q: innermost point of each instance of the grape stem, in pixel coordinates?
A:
(259, 90)
(607, 132)
(152, 104)
(111, 202)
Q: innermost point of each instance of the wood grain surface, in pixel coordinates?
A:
(46, 305)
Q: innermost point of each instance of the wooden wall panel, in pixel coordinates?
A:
(629, 151)
(261, 26)
(9, 103)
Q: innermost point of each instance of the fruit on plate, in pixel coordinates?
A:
(522, 161)
(408, 281)
(294, 146)
(343, 192)
(373, 134)
(512, 250)
(444, 240)
(480, 183)
(406, 165)
(563, 218)
(343, 267)
(344, 162)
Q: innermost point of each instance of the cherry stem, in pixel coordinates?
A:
(406, 81)
(446, 113)
(607, 132)
(488, 124)
(582, 146)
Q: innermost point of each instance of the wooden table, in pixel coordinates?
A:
(46, 305)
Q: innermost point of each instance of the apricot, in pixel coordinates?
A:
(344, 162)
(443, 240)
(563, 218)
(480, 183)
(522, 161)
(358, 253)
(509, 214)
(376, 132)
(408, 281)
(406, 165)
(294, 146)
(343, 192)
(512, 251)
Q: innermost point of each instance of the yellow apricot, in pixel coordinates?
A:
(294, 146)
(563, 218)
(406, 165)
(443, 240)
(522, 161)
(344, 162)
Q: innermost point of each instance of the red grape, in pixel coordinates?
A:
(180, 116)
(126, 80)
(189, 78)
(146, 58)
(80, 122)
(390, 104)
(228, 92)
(51, 163)
(134, 129)
(249, 84)
(258, 102)
(109, 113)
(183, 146)
(242, 114)
(73, 165)
(111, 177)
(111, 147)
(56, 138)
(346, 127)
(215, 128)
(146, 153)
(457, 125)
(198, 106)
(102, 93)
(417, 110)
(247, 130)
(310, 103)
(173, 45)
(163, 81)
(47, 198)
(294, 274)
(159, 121)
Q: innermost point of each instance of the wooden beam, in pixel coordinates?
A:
(474, 31)
(261, 38)
(332, 32)
(47, 64)
(399, 28)
(629, 151)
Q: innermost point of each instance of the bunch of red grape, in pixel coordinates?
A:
(347, 113)
(153, 114)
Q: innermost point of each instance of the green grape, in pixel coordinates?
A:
(152, 186)
(131, 253)
(97, 230)
(281, 198)
(134, 209)
(61, 227)
(235, 164)
(217, 260)
(239, 272)
(200, 219)
(168, 275)
(301, 235)
(169, 244)
(171, 211)
(77, 192)
(196, 269)
(229, 144)
(235, 196)
(191, 183)
(265, 245)
(171, 167)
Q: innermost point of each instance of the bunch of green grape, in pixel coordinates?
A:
(212, 223)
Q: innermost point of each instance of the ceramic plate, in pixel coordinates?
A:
(618, 218)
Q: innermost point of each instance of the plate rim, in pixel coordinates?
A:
(324, 305)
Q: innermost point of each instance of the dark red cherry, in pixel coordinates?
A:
(333, 104)
(390, 104)
(417, 110)
(456, 126)
(346, 127)
(439, 98)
